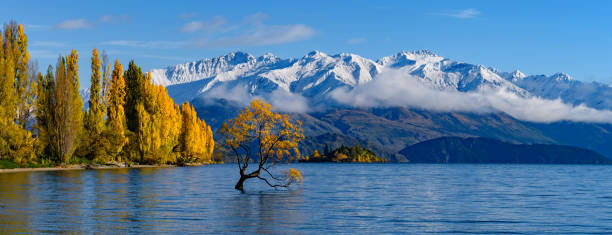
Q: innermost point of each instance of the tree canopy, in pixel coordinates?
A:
(128, 118)
(261, 136)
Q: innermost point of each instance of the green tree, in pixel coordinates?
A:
(135, 82)
(137, 118)
(45, 116)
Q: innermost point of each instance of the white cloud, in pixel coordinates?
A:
(74, 24)
(279, 98)
(208, 25)
(393, 88)
(355, 41)
(461, 14)
(288, 102)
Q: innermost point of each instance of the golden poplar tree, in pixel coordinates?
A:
(165, 124)
(16, 143)
(7, 86)
(159, 125)
(94, 121)
(68, 107)
(15, 46)
(22, 82)
(94, 118)
(115, 134)
(196, 142)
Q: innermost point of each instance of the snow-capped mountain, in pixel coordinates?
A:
(317, 74)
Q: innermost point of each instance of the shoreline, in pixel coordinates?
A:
(82, 167)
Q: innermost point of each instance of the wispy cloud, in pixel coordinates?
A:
(460, 14)
(252, 31)
(205, 25)
(47, 44)
(254, 19)
(87, 24)
(116, 19)
(146, 44)
(161, 57)
(218, 33)
(355, 41)
(261, 36)
(74, 24)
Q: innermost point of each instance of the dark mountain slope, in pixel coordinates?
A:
(485, 150)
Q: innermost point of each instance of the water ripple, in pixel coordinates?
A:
(334, 198)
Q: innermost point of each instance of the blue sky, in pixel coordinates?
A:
(537, 37)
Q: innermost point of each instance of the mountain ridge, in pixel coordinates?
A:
(219, 87)
(316, 74)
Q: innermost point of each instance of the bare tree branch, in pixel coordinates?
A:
(273, 185)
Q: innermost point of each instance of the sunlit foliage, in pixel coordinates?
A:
(345, 154)
(129, 119)
(196, 141)
(260, 135)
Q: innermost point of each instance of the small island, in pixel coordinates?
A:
(355, 154)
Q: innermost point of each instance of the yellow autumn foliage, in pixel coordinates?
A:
(129, 118)
(261, 135)
(196, 137)
(294, 176)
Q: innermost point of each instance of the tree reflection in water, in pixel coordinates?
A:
(272, 211)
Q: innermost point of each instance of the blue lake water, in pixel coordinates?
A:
(334, 198)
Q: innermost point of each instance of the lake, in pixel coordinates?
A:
(334, 198)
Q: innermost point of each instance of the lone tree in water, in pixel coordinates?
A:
(260, 136)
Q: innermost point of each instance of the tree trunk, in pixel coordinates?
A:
(240, 184)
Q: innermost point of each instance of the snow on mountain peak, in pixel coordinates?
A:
(518, 74)
(237, 57)
(562, 77)
(317, 74)
(316, 54)
(407, 58)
